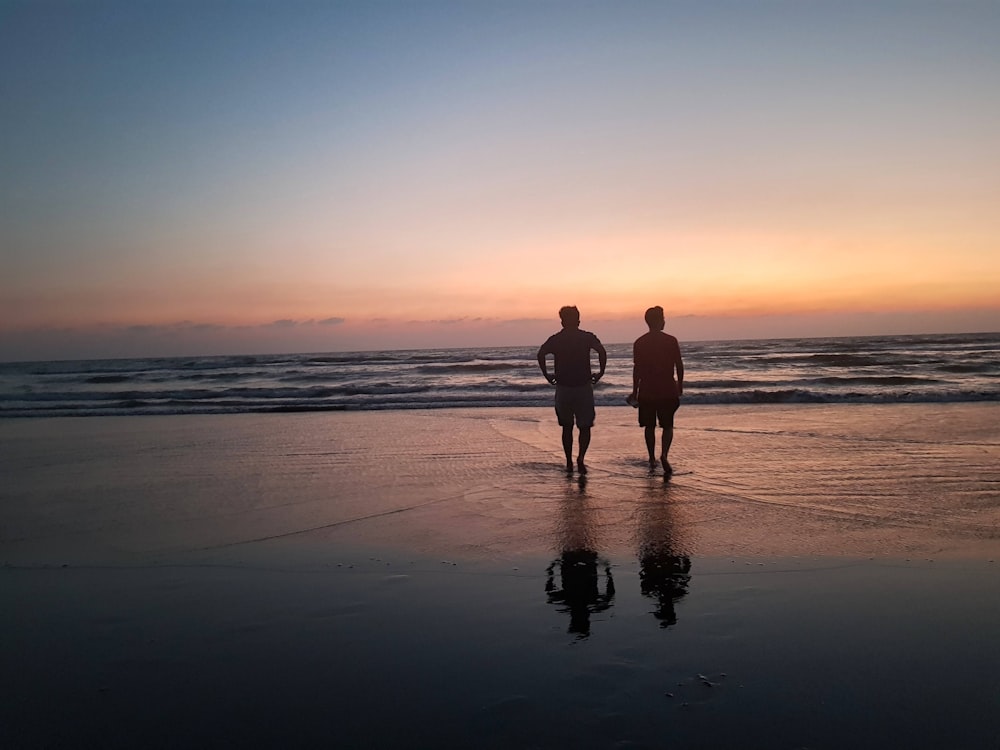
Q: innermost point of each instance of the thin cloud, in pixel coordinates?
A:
(522, 321)
(149, 329)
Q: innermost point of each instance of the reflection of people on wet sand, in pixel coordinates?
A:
(573, 380)
(578, 592)
(664, 574)
(656, 356)
(664, 577)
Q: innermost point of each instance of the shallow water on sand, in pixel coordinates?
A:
(488, 483)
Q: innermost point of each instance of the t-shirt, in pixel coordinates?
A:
(571, 348)
(655, 355)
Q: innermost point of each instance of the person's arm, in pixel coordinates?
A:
(543, 366)
(680, 372)
(602, 358)
(635, 374)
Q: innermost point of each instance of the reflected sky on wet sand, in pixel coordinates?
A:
(810, 577)
(427, 653)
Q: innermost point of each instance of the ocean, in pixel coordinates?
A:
(873, 369)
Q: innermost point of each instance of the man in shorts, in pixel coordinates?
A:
(656, 356)
(573, 380)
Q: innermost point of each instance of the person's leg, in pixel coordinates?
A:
(668, 437)
(667, 422)
(650, 434)
(567, 441)
(585, 416)
(584, 444)
(647, 421)
(564, 413)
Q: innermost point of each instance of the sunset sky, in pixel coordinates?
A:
(218, 177)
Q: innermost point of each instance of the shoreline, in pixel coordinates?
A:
(899, 480)
(603, 402)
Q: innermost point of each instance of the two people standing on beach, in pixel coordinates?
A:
(655, 389)
(574, 381)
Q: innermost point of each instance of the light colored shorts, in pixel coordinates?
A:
(575, 402)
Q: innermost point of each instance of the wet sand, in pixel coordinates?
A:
(811, 577)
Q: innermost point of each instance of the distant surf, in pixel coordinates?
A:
(879, 369)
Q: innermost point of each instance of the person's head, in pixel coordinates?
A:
(654, 318)
(569, 316)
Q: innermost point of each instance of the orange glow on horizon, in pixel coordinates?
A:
(611, 277)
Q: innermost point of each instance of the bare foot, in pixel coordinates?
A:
(667, 468)
(581, 466)
(652, 465)
(569, 466)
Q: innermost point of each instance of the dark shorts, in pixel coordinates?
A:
(575, 402)
(661, 409)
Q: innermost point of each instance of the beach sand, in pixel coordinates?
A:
(811, 577)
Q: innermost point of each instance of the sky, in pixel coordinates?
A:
(188, 177)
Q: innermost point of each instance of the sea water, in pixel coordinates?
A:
(881, 369)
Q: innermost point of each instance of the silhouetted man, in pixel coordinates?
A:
(656, 356)
(580, 595)
(573, 380)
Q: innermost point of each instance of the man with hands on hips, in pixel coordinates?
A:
(574, 381)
